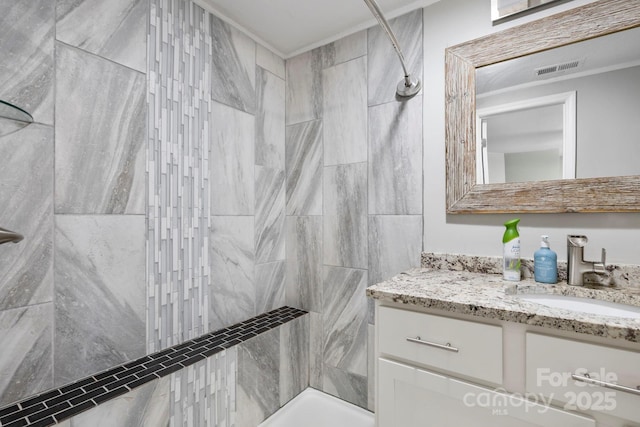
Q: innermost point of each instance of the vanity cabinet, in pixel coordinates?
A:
(466, 348)
(413, 397)
(584, 376)
(433, 370)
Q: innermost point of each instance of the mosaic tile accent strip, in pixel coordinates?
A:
(204, 393)
(204, 357)
(179, 100)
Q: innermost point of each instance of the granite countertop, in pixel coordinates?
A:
(489, 296)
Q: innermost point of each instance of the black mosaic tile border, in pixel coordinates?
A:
(54, 406)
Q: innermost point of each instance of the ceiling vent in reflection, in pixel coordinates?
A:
(556, 68)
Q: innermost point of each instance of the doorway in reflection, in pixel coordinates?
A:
(530, 140)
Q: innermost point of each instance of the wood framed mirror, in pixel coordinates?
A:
(464, 194)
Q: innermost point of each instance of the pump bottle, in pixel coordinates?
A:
(545, 263)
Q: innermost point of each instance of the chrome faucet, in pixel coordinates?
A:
(9, 236)
(576, 265)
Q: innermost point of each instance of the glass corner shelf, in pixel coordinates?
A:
(12, 118)
(10, 111)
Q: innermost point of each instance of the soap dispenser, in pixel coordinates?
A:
(545, 263)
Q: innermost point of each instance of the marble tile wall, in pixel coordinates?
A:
(118, 35)
(99, 293)
(100, 185)
(27, 79)
(146, 406)
(353, 193)
(216, 212)
(74, 185)
(256, 195)
(273, 368)
(217, 183)
(100, 112)
(236, 376)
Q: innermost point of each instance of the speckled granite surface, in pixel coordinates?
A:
(624, 276)
(485, 294)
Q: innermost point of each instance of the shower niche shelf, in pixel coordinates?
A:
(12, 118)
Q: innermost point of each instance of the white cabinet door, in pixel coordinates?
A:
(559, 367)
(411, 397)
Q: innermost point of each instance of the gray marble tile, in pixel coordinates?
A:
(294, 358)
(395, 244)
(345, 215)
(345, 49)
(385, 71)
(100, 293)
(371, 306)
(395, 158)
(231, 161)
(233, 73)
(270, 61)
(304, 87)
(269, 214)
(145, 406)
(232, 294)
(258, 389)
(270, 110)
(100, 133)
(270, 286)
(345, 385)
(26, 358)
(304, 262)
(304, 168)
(26, 79)
(116, 30)
(316, 345)
(26, 207)
(345, 319)
(371, 367)
(344, 129)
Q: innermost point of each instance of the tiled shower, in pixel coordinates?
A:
(180, 178)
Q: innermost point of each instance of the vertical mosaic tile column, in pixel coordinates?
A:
(205, 393)
(179, 98)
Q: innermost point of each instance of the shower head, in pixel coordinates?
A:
(409, 85)
(7, 236)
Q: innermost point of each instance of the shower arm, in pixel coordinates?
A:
(409, 86)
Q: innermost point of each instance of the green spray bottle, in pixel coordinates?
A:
(511, 251)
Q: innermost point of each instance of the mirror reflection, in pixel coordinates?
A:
(533, 140)
(501, 9)
(522, 137)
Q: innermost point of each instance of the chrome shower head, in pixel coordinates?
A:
(409, 86)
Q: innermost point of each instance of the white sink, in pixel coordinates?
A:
(584, 305)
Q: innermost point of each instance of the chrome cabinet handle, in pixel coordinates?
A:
(587, 379)
(446, 346)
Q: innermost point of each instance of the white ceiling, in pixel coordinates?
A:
(290, 27)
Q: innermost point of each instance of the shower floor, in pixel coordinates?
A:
(313, 408)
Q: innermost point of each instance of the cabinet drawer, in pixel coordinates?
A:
(412, 397)
(458, 346)
(554, 364)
